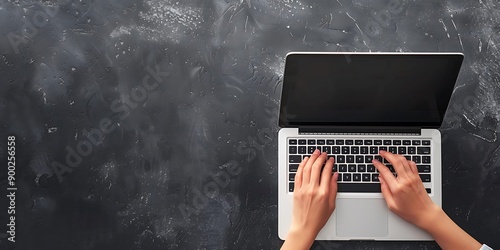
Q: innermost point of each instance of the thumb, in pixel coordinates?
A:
(386, 192)
(333, 187)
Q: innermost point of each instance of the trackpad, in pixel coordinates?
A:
(363, 218)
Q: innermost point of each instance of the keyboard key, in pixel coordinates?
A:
(393, 150)
(365, 177)
(310, 149)
(412, 150)
(428, 190)
(339, 142)
(327, 149)
(354, 150)
(373, 150)
(387, 142)
(406, 142)
(311, 142)
(425, 177)
(292, 142)
(340, 158)
(368, 159)
(360, 159)
(370, 168)
(349, 142)
(321, 142)
(330, 142)
(426, 159)
(416, 158)
(349, 158)
(396, 142)
(343, 168)
(351, 168)
(302, 150)
(346, 177)
(377, 142)
(302, 142)
(292, 149)
(361, 168)
(424, 168)
(378, 158)
(358, 142)
(423, 150)
(294, 159)
(290, 187)
(415, 142)
(382, 148)
(402, 150)
(375, 178)
(356, 177)
(426, 142)
(345, 150)
(358, 188)
(335, 150)
(291, 177)
(391, 168)
(408, 157)
(334, 169)
(293, 167)
(364, 150)
(368, 142)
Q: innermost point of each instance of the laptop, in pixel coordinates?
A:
(351, 105)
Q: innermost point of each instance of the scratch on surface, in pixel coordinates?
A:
(357, 26)
(246, 23)
(459, 38)
(444, 26)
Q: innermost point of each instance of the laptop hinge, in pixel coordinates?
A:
(359, 130)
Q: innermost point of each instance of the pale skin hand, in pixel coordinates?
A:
(314, 197)
(405, 195)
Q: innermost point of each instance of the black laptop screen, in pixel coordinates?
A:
(368, 89)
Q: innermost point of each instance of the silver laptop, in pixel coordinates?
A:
(351, 105)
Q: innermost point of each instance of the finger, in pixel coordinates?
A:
(413, 167)
(333, 188)
(396, 162)
(326, 175)
(385, 172)
(298, 175)
(306, 178)
(386, 192)
(316, 168)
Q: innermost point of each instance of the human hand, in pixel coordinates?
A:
(314, 193)
(405, 194)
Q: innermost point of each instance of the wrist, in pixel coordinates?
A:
(300, 237)
(431, 218)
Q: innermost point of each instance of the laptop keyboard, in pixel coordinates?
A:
(353, 159)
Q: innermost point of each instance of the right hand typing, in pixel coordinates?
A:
(405, 194)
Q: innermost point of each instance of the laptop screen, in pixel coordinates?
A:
(368, 89)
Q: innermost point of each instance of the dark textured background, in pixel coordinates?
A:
(67, 66)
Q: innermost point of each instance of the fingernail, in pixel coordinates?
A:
(336, 176)
(382, 151)
(375, 161)
(316, 151)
